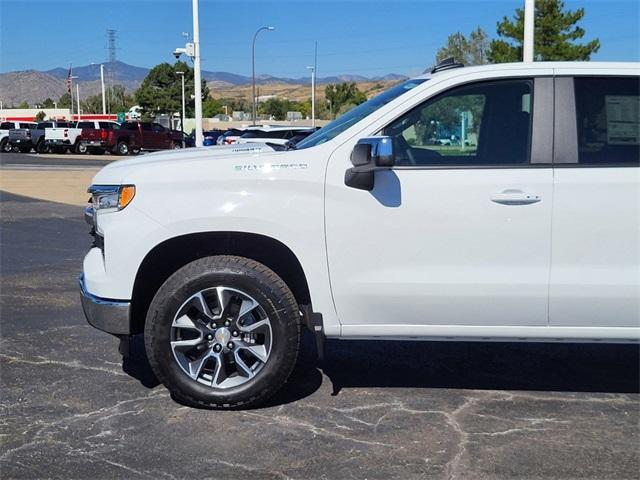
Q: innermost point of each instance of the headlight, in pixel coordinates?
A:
(111, 197)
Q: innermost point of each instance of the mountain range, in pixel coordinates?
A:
(34, 86)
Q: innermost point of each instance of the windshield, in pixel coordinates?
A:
(352, 117)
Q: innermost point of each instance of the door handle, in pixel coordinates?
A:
(515, 197)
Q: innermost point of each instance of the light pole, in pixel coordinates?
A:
(253, 70)
(78, 99)
(313, 95)
(55, 110)
(183, 107)
(529, 26)
(71, 78)
(197, 75)
(104, 99)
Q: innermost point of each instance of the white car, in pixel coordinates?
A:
(369, 231)
(5, 145)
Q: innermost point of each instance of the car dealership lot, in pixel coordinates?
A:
(71, 408)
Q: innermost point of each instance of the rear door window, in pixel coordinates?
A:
(608, 120)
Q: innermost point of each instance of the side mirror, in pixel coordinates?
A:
(369, 154)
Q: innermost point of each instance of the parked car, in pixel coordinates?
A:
(368, 231)
(5, 145)
(76, 138)
(211, 137)
(24, 139)
(274, 135)
(230, 136)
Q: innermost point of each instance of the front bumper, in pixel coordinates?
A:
(111, 316)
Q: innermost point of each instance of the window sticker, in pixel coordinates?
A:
(623, 119)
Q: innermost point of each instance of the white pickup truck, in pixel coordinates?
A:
(5, 145)
(61, 139)
(526, 230)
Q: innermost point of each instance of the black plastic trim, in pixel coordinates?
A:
(565, 131)
(542, 126)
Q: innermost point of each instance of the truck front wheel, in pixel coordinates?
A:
(80, 148)
(223, 332)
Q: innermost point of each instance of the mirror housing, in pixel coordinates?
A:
(369, 154)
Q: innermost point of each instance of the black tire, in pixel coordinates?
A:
(122, 148)
(5, 146)
(42, 147)
(135, 151)
(80, 148)
(261, 283)
(176, 146)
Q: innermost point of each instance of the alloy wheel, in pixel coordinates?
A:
(221, 337)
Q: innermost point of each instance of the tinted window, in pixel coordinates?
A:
(482, 124)
(157, 127)
(129, 126)
(146, 127)
(7, 126)
(27, 125)
(85, 125)
(45, 125)
(608, 117)
(109, 125)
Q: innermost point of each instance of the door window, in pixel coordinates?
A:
(608, 118)
(483, 124)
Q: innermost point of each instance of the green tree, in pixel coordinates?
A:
(64, 101)
(555, 35)
(161, 90)
(40, 116)
(470, 51)
(23, 105)
(47, 103)
(211, 107)
(343, 94)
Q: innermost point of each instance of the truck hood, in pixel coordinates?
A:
(115, 172)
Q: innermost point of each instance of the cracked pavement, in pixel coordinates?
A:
(71, 408)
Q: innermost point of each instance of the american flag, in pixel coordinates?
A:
(69, 81)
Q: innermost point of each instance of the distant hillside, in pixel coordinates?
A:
(34, 86)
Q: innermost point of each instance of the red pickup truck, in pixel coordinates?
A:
(131, 137)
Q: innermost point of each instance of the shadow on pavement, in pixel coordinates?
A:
(454, 365)
(484, 366)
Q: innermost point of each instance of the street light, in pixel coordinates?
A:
(253, 65)
(183, 108)
(192, 50)
(313, 95)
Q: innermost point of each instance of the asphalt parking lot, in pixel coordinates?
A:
(71, 408)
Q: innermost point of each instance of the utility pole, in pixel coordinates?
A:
(253, 71)
(104, 100)
(197, 74)
(529, 26)
(71, 77)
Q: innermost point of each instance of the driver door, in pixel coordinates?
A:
(458, 233)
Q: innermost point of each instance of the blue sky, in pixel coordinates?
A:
(357, 36)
